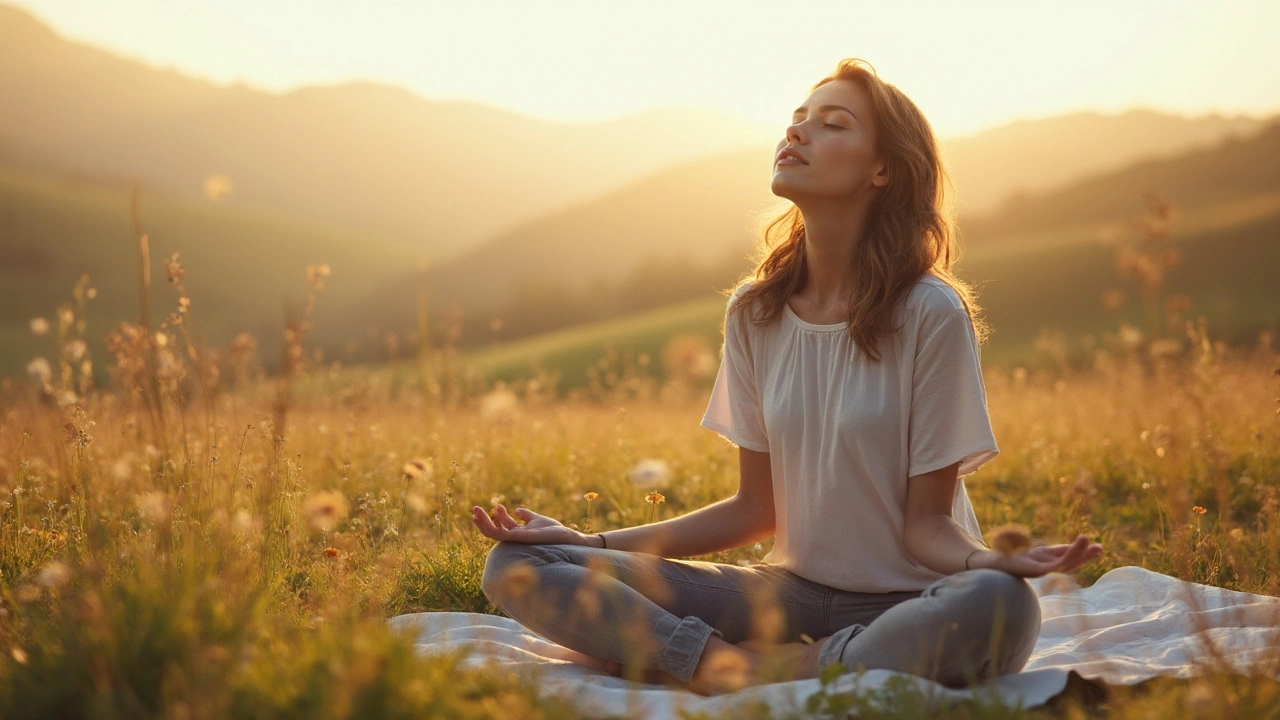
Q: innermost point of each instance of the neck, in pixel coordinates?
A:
(832, 235)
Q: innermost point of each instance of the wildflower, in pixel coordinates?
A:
(331, 552)
(122, 468)
(153, 506)
(519, 579)
(39, 326)
(1130, 336)
(316, 275)
(418, 469)
(499, 404)
(40, 369)
(1058, 583)
(173, 266)
(19, 656)
(651, 473)
(1011, 540)
(54, 575)
(244, 522)
(1198, 510)
(589, 497)
(75, 349)
(324, 510)
(655, 497)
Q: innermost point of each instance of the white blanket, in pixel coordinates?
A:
(1132, 624)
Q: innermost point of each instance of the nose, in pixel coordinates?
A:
(794, 135)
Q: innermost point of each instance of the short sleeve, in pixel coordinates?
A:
(949, 420)
(734, 410)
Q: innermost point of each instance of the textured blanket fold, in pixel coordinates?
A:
(1131, 625)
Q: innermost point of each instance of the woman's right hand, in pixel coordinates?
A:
(536, 530)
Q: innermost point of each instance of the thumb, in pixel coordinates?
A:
(525, 514)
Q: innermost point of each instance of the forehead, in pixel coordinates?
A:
(848, 93)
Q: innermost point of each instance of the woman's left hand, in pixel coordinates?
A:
(1041, 560)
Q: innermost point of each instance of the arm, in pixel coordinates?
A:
(938, 542)
(738, 520)
(743, 518)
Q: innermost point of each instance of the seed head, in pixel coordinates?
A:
(418, 469)
(651, 473)
(54, 575)
(324, 510)
(1011, 540)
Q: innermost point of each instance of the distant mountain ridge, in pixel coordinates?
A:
(1030, 157)
(697, 219)
(437, 175)
(444, 177)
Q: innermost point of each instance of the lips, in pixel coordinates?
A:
(790, 157)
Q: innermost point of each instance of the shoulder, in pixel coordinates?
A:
(736, 305)
(932, 305)
(933, 297)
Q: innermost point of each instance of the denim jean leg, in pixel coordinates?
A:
(966, 627)
(628, 608)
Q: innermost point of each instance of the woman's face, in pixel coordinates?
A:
(829, 151)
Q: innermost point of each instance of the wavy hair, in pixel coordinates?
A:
(910, 227)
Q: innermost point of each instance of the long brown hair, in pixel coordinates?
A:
(911, 231)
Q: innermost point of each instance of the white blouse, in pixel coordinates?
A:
(844, 434)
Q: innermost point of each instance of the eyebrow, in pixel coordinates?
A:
(825, 108)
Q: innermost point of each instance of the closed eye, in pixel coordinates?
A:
(838, 127)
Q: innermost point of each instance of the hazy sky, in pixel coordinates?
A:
(969, 65)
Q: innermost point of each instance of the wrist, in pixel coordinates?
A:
(979, 558)
(592, 540)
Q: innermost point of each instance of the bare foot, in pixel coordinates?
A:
(786, 661)
(587, 661)
(724, 669)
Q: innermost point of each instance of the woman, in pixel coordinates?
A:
(850, 383)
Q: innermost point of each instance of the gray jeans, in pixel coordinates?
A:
(643, 610)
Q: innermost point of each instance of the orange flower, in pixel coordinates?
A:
(655, 497)
(590, 496)
(1198, 510)
(331, 552)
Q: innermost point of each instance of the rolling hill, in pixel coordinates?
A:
(692, 224)
(437, 176)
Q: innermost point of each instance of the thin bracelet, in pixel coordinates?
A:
(966, 560)
(603, 545)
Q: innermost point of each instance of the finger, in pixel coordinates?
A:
(1075, 555)
(485, 523)
(525, 514)
(504, 518)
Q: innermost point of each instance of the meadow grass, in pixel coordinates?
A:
(241, 558)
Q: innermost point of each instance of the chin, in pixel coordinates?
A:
(782, 188)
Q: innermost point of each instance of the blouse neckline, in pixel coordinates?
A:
(795, 319)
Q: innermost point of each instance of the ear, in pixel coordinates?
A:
(881, 176)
